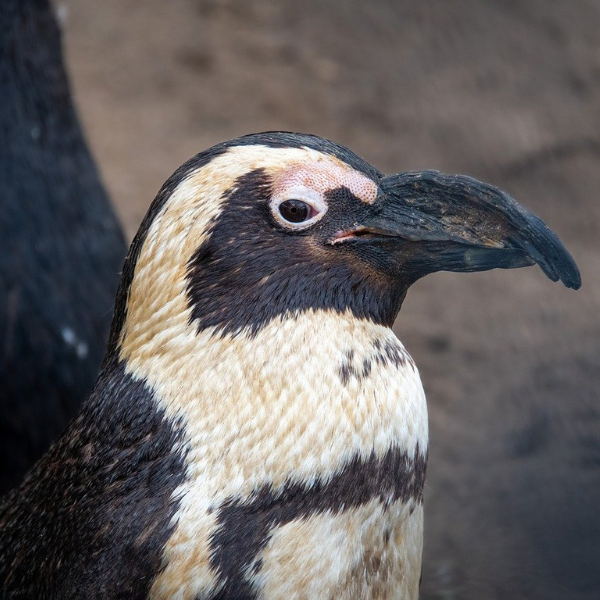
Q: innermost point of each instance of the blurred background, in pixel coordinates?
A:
(507, 91)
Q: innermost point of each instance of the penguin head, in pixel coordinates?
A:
(275, 224)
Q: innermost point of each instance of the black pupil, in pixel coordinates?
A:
(294, 211)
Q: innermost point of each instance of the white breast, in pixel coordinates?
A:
(295, 402)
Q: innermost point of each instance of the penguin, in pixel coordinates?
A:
(61, 246)
(256, 429)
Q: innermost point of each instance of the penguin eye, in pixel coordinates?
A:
(296, 211)
(298, 208)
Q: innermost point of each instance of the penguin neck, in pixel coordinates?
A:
(301, 396)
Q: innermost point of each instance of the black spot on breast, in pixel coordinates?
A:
(245, 524)
(383, 353)
(345, 372)
(390, 352)
(92, 518)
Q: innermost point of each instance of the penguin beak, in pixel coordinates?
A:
(436, 222)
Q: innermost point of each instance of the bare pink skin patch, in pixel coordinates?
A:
(325, 175)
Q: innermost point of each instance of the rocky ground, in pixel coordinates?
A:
(504, 90)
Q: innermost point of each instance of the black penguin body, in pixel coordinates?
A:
(100, 501)
(61, 248)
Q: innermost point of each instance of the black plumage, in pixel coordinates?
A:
(101, 499)
(61, 247)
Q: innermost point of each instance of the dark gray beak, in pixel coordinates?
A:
(456, 223)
